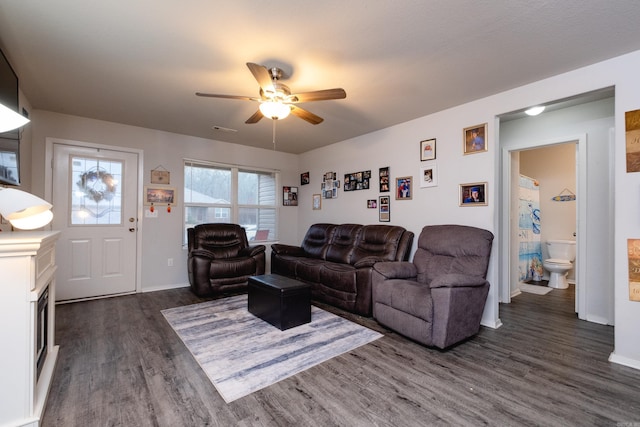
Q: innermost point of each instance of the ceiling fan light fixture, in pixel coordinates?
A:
(275, 110)
(534, 111)
(276, 99)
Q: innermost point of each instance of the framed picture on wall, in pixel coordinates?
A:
(428, 149)
(160, 176)
(383, 174)
(404, 188)
(429, 175)
(159, 195)
(329, 186)
(304, 178)
(474, 194)
(316, 203)
(290, 196)
(475, 139)
(384, 209)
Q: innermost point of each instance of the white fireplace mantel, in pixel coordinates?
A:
(27, 263)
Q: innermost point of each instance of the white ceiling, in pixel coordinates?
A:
(139, 62)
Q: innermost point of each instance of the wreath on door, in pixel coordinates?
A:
(98, 185)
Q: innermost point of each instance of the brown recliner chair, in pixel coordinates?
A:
(438, 299)
(221, 260)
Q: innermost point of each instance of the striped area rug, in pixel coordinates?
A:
(241, 353)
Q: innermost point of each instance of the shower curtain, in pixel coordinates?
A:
(530, 248)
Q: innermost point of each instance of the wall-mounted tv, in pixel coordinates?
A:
(9, 161)
(8, 92)
(9, 141)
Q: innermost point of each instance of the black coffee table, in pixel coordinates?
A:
(281, 301)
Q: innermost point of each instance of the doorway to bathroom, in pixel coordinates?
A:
(547, 210)
(580, 129)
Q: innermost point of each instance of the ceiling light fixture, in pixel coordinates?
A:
(275, 110)
(534, 111)
(10, 119)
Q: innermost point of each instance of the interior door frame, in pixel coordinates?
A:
(48, 192)
(507, 270)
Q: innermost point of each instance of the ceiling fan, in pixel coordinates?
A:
(276, 100)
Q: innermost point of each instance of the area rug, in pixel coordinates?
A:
(535, 289)
(241, 353)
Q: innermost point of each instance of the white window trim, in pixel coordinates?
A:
(234, 206)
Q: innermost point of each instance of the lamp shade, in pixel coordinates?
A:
(275, 110)
(24, 210)
(10, 119)
(34, 221)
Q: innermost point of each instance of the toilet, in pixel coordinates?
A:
(562, 253)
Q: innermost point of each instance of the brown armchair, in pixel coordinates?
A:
(220, 259)
(437, 299)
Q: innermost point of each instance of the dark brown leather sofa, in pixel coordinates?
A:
(220, 259)
(337, 261)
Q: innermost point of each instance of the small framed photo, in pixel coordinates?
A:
(160, 177)
(404, 188)
(383, 173)
(316, 203)
(428, 149)
(159, 195)
(473, 194)
(475, 139)
(384, 209)
(429, 175)
(304, 178)
(290, 196)
(372, 204)
(329, 186)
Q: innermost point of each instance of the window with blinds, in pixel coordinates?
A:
(231, 194)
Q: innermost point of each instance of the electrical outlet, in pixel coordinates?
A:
(170, 262)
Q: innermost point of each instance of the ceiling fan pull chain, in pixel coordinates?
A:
(274, 134)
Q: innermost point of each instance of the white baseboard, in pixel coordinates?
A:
(598, 319)
(621, 360)
(492, 324)
(164, 287)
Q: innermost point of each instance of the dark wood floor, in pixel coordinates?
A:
(120, 364)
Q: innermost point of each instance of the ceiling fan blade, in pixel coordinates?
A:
(263, 77)
(255, 118)
(319, 95)
(215, 95)
(306, 115)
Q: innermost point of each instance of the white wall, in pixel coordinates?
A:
(162, 236)
(397, 147)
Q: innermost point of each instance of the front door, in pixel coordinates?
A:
(95, 198)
